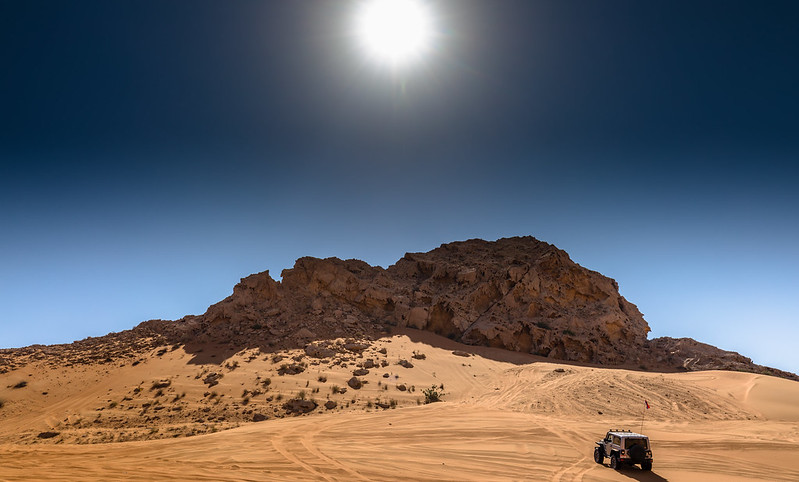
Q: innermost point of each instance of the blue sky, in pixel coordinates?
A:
(153, 155)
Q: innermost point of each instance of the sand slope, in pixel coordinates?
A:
(506, 417)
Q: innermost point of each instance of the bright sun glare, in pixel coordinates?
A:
(395, 31)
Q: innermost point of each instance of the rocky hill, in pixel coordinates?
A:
(519, 294)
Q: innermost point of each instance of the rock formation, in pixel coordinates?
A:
(518, 294)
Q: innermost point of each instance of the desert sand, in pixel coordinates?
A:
(505, 416)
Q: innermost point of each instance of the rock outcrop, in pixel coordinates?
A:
(517, 294)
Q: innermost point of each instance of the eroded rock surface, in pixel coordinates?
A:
(517, 294)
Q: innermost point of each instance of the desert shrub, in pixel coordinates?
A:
(432, 394)
(335, 389)
(302, 395)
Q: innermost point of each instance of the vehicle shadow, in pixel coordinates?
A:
(642, 475)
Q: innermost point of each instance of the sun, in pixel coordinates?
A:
(395, 31)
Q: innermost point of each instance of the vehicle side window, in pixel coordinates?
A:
(616, 440)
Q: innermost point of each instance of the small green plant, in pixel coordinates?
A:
(433, 394)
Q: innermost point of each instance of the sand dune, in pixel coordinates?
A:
(505, 416)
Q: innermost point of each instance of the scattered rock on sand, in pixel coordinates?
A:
(212, 379)
(316, 351)
(259, 417)
(355, 383)
(330, 405)
(461, 353)
(356, 347)
(405, 363)
(299, 406)
(48, 434)
(292, 369)
(160, 384)
(360, 372)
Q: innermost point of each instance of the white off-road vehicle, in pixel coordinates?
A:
(624, 448)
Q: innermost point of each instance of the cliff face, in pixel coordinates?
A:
(519, 294)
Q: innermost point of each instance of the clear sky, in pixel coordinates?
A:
(153, 153)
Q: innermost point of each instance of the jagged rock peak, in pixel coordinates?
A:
(520, 294)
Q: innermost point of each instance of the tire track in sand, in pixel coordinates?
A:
(302, 435)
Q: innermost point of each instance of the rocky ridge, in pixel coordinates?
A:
(518, 294)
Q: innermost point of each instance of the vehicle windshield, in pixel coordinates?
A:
(632, 442)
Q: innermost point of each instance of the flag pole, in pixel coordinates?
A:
(643, 414)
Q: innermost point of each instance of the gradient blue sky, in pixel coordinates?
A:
(153, 153)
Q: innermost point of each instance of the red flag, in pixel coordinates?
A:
(647, 404)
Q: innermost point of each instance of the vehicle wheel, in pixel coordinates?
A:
(599, 457)
(615, 464)
(646, 465)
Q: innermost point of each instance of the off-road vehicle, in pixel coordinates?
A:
(624, 448)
